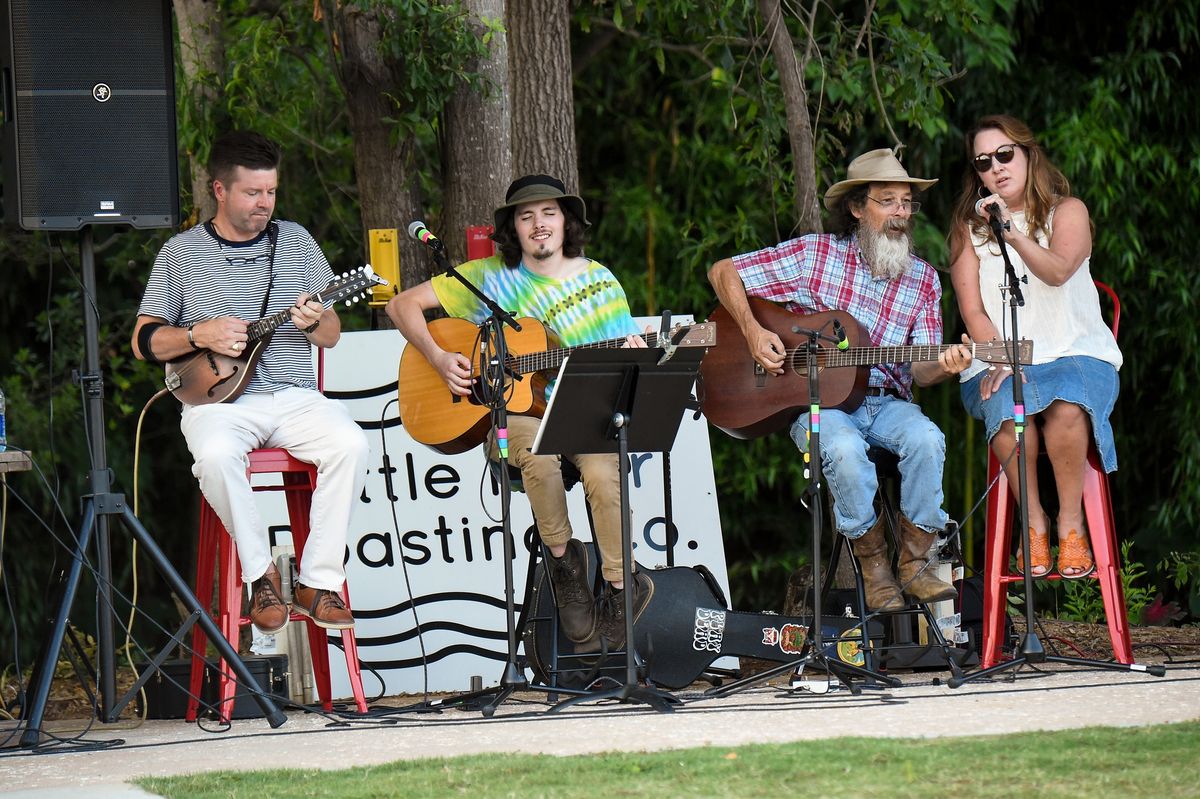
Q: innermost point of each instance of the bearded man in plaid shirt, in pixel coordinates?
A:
(866, 267)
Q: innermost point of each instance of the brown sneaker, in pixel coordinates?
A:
(325, 608)
(268, 611)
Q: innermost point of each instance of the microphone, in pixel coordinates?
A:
(992, 212)
(424, 235)
(840, 332)
(991, 209)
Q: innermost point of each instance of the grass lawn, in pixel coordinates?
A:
(1158, 761)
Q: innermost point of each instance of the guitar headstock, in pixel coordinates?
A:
(352, 286)
(695, 334)
(999, 352)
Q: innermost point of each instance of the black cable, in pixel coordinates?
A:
(387, 476)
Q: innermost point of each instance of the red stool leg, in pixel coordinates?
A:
(299, 502)
(353, 672)
(1097, 506)
(229, 620)
(210, 528)
(995, 569)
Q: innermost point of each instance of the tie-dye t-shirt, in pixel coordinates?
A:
(587, 307)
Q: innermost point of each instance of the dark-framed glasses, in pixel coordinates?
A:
(1003, 154)
(238, 260)
(891, 204)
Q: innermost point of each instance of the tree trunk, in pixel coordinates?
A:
(800, 135)
(543, 102)
(202, 56)
(477, 143)
(384, 169)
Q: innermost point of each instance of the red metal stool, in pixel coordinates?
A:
(1097, 506)
(299, 481)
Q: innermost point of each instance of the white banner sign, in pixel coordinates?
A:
(425, 550)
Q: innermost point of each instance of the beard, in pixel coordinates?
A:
(887, 250)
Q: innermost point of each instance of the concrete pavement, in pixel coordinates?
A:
(1056, 698)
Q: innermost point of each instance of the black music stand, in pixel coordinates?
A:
(615, 400)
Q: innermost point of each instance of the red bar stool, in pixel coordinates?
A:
(1097, 506)
(299, 479)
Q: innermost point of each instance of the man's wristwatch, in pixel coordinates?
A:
(191, 339)
(310, 328)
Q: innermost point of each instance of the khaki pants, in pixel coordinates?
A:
(543, 482)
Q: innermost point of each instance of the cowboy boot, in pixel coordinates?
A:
(881, 588)
(920, 583)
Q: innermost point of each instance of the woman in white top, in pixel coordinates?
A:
(1071, 387)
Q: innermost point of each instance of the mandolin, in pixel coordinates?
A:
(204, 377)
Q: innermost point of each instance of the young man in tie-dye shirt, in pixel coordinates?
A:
(541, 272)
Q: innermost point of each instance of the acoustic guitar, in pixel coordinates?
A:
(450, 424)
(746, 401)
(204, 377)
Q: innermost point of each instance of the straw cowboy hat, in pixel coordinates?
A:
(877, 166)
(538, 187)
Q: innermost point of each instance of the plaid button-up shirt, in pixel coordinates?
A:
(821, 272)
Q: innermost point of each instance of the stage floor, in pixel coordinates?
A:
(1055, 698)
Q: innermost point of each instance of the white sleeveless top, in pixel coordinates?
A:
(1060, 320)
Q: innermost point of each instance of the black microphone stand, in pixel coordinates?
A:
(816, 656)
(1031, 649)
(493, 371)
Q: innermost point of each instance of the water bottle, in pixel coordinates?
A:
(3, 434)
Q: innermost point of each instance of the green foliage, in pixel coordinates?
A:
(1082, 600)
(432, 47)
(684, 156)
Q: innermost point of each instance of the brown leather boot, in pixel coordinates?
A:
(920, 584)
(573, 592)
(881, 588)
(268, 611)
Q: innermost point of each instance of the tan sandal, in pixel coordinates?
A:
(1039, 552)
(1074, 553)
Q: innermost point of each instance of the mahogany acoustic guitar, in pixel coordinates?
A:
(204, 376)
(744, 400)
(449, 423)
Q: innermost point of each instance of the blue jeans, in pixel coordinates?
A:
(888, 423)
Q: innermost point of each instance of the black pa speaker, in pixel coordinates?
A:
(88, 135)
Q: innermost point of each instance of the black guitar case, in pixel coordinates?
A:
(686, 626)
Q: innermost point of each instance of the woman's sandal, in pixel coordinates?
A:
(1074, 553)
(1039, 551)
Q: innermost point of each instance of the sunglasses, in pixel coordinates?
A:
(1003, 154)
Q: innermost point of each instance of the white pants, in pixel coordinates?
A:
(314, 429)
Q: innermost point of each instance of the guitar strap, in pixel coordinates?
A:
(273, 238)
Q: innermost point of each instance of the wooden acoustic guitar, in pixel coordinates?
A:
(204, 377)
(744, 400)
(449, 423)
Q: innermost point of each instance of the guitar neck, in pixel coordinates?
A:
(552, 359)
(869, 356)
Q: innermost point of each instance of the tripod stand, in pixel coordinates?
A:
(1031, 649)
(816, 655)
(99, 505)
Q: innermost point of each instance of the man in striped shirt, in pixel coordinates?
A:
(541, 272)
(208, 285)
(867, 268)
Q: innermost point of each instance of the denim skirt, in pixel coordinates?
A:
(1087, 382)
